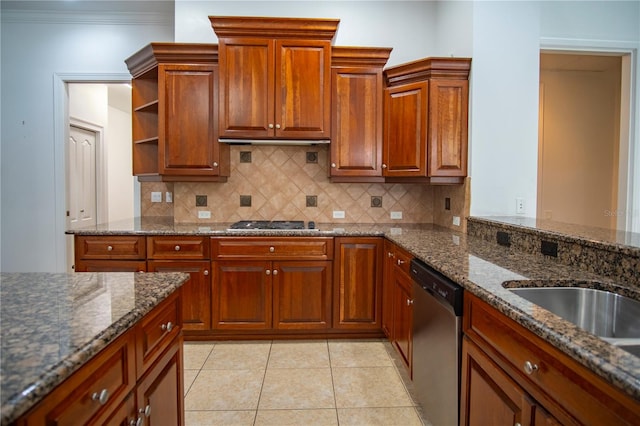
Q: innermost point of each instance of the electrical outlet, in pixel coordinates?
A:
(168, 197)
(338, 214)
(520, 206)
(396, 215)
(456, 221)
(204, 214)
(156, 197)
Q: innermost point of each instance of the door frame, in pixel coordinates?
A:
(102, 196)
(628, 218)
(60, 136)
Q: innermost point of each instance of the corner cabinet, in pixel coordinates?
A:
(511, 376)
(356, 113)
(426, 106)
(275, 77)
(175, 111)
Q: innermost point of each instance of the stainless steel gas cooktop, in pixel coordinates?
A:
(272, 225)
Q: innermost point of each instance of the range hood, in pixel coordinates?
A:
(274, 141)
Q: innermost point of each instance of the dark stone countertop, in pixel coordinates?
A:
(52, 324)
(480, 266)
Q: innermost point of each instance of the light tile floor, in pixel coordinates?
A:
(315, 382)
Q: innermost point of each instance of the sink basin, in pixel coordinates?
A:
(608, 315)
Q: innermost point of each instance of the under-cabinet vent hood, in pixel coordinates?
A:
(274, 141)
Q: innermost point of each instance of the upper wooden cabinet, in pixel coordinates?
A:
(174, 100)
(426, 106)
(356, 113)
(275, 77)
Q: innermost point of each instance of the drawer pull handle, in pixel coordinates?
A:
(268, 272)
(109, 248)
(146, 410)
(530, 368)
(400, 261)
(272, 249)
(167, 327)
(177, 248)
(101, 397)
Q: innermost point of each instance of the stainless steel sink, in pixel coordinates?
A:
(611, 316)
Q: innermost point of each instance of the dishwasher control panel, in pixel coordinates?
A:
(437, 284)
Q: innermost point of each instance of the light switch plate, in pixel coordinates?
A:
(456, 221)
(396, 215)
(204, 214)
(156, 197)
(168, 197)
(338, 214)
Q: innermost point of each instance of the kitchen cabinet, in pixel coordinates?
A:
(356, 113)
(426, 106)
(174, 108)
(272, 284)
(357, 284)
(398, 302)
(511, 375)
(275, 77)
(113, 253)
(115, 387)
(186, 254)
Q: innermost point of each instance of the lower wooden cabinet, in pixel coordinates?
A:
(510, 375)
(357, 283)
(120, 386)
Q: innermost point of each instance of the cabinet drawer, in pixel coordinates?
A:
(176, 247)
(294, 248)
(402, 261)
(156, 331)
(110, 375)
(111, 247)
(566, 388)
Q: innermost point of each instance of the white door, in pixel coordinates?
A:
(81, 185)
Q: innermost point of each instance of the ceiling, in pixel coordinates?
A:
(121, 6)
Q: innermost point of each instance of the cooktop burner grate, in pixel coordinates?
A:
(271, 225)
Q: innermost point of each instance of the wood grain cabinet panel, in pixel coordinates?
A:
(178, 247)
(290, 248)
(113, 247)
(357, 283)
(356, 113)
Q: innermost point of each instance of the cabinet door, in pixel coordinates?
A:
(405, 130)
(188, 113)
(302, 89)
(246, 88)
(488, 395)
(160, 392)
(448, 105)
(356, 122)
(302, 295)
(357, 283)
(242, 295)
(196, 293)
(403, 317)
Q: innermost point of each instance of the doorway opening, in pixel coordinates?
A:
(584, 172)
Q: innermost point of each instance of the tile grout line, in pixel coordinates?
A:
(264, 377)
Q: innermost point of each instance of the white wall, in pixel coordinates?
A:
(407, 26)
(121, 182)
(34, 48)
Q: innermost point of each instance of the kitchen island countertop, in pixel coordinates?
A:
(480, 266)
(53, 323)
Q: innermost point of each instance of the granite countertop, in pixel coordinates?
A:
(54, 323)
(480, 266)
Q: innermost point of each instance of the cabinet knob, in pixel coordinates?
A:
(275, 272)
(390, 254)
(215, 164)
(109, 248)
(146, 410)
(137, 422)
(409, 302)
(277, 126)
(268, 272)
(206, 272)
(272, 249)
(270, 126)
(167, 327)
(177, 248)
(384, 166)
(517, 424)
(101, 397)
(333, 165)
(400, 262)
(530, 367)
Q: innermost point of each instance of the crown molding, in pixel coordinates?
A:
(83, 17)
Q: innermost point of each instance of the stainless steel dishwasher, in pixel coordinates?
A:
(437, 342)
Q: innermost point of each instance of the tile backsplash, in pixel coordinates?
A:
(280, 183)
